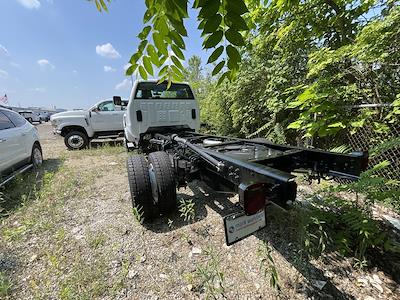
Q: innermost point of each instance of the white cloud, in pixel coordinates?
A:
(30, 4)
(74, 71)
(3, 74)
(3, 51)
(109, 69)
(124, 85)
(45, 64)
(107, 50)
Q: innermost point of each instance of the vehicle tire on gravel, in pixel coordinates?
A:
(36, 156)
(163, 181)
(76, 140)
(140, 186)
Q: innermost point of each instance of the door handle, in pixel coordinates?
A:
(23, 134)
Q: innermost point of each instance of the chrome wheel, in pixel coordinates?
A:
(76, 141)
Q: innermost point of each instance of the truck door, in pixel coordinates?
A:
(106, 118)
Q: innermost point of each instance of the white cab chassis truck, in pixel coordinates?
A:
(79, 127)
(162, 121)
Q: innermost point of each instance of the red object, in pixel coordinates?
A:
(254, 198)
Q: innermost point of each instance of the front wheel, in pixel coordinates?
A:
(36, 156)
(76, 140)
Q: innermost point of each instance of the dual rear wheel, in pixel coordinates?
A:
(152, 184)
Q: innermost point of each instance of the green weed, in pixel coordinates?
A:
(267, 264)
(186, 208)
(210, 280)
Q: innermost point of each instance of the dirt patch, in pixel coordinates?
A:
(78, 239)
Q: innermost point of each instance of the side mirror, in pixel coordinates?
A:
(117, 100)
(95, 109)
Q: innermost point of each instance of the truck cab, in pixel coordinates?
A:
(156, 107)
(79, 127)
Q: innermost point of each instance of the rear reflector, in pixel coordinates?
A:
(253, 197)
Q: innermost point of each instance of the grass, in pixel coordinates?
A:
(34, 207)
(5, 285)
(208, 278)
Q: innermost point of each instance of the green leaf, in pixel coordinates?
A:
(237, 6)
(142, 45)
(179, 27)
(130, 70)
(103, 5)
(161, 25)
(218, 68)
(135, 57)
(177, 39)
(159, 43)
(147, 16)
(177, 51)
(232, 64)
(151, 51)
(163, 71)
(147, 65)
(235, 21)
(295, 125)
(210, 9)
(142, 72)
(177, 62)
(217, 53)
(234, 37)
(212, 24)
(98, 5)
(337, 124)
(233, 54)
(223, 77)
(213, 40)
(145, 32)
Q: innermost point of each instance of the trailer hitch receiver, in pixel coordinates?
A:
(252, 197)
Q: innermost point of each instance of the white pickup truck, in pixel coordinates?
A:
(78, 127)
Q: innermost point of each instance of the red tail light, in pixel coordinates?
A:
(252, 197)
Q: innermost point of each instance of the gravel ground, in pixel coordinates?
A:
(77, 238)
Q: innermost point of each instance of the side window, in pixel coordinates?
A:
(5, 122)
(107, 106)
(17, 119)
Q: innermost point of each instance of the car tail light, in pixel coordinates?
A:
(252, 197)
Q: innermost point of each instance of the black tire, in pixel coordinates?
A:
(140, 186)
(36, 156)
(165, 181)
(76, 140)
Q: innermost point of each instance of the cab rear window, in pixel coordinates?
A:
(152, 90)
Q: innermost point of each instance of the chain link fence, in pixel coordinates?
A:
(366, 138)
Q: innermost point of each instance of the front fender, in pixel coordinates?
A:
(73, 122)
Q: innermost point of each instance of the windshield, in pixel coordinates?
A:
(152, 90)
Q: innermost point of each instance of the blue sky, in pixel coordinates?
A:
(65, 53)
